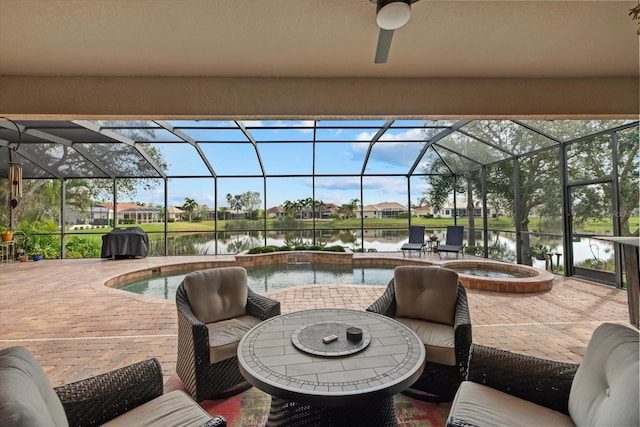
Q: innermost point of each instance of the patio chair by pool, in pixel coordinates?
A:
(216, 308)
(416, 240)
(453, 242)
(506, 388)
(433, 303)
(129, 396)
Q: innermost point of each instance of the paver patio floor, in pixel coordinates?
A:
(77, 327)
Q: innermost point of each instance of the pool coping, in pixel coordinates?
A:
(540, 280)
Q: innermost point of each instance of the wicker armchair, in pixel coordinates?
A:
(224, 308)
(446, 362)
(505, 388)
(542, 381)
(130, 396)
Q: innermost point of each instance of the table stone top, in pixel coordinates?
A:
(392, 361)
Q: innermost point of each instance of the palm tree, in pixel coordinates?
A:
(224, 211)
(318, 206)
(345, 210)
(355, 204)
(306, 204)
(299, 204)
(189, 206)
(289, 207)
(235, 202)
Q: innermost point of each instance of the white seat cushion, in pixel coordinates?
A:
(438, 339)
(606, 388)
(487, 407)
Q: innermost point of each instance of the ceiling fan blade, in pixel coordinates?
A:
(384, 43)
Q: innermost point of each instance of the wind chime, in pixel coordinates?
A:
(635, 14)
(15, 176)
(15, 181)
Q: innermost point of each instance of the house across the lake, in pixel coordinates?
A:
(382, 210)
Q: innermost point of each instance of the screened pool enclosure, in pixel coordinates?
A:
(220, 187)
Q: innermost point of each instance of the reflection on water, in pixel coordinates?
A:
(272, 277)
(502, 245)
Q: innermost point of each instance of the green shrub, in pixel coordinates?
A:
(263, 249)
(477, 250)
(271, 248)
(82, 247)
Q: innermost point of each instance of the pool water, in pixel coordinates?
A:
(488, 272)
(273, 277)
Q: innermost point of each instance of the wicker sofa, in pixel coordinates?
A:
(505, 388)
(130, 396)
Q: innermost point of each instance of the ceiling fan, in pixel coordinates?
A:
(390, 15)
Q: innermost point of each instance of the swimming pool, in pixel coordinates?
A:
(273, 277)
(490, 272)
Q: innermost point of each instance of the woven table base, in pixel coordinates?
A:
(293, 414)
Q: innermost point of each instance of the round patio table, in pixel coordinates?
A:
(341, 382)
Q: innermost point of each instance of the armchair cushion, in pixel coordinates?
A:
(129, 396)
(602, 391)
(438, 339)
(606, 386)
(217, 293)
(171, 409)
(26, 396)
(427, 293)
(480, 405)
(225, 335)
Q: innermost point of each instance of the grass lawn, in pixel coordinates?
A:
(502, 223)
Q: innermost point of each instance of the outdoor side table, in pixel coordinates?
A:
(7, 251)
(338, 383)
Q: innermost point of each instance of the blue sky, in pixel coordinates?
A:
(285, 149)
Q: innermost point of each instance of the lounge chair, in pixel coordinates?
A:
(416, 240)
(453, 242)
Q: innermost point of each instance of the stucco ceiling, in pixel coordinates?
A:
(316, 38)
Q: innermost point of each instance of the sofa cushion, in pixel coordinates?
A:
(427, 293)
(483, 406)
(605, 390)
(26, 396)
(217, 293)
(225, 335)
(174, 409)
(438, 339)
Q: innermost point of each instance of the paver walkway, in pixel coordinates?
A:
(77, 327)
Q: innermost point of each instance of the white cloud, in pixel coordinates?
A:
(365, 136)
(342, 183)
(391, 135)
(251, 123)
(302, 126)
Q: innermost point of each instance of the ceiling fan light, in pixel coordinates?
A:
(393, 15)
